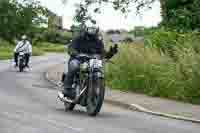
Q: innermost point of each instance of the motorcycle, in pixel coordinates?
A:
(89, 85)
(21, 61)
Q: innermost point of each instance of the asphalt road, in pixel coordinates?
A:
(28, 104)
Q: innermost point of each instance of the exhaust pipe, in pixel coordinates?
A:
(65, 99)
(62, 98)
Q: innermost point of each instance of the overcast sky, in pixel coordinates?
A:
(108, 19)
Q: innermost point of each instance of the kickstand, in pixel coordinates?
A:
(57, 100)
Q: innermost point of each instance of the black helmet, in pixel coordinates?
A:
(91, 32)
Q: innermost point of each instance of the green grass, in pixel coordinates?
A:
(37, 51)
(6, 52)
(145, 70)
(5, 55)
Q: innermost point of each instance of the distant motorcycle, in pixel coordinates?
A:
(21, 61)
(89, 85)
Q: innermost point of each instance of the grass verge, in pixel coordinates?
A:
(50, 47)
(145, 70)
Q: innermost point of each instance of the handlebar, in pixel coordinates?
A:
(83, 55)
(86, 56)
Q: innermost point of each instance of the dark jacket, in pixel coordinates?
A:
(92, 46)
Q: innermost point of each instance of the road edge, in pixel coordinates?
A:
(132, 107)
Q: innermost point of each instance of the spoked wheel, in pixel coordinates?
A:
(69, 106)
(95, 98)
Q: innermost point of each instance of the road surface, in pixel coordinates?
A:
(28, 105)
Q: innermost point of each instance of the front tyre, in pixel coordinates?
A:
(69, 106)
(21, 67)
(96, 92)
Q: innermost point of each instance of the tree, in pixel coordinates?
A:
(182, 15)
(82, 16)
(20, 18)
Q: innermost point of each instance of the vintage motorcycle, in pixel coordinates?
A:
(89, 85)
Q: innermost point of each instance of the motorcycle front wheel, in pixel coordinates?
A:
(95, 98)
(69, 106)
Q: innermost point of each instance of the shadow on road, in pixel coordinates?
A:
(80, 112)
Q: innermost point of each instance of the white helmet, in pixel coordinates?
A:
(24, 37)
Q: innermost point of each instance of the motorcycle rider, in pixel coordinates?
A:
(89, 42)
(25, 46)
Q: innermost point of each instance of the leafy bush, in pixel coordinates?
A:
(128, 40)
(55, 36)
(113, 32)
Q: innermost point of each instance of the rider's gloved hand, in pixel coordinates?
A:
(112, 52)
(115, 49)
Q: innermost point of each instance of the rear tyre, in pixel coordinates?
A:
(95, 98)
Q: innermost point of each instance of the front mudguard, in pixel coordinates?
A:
(98, 74)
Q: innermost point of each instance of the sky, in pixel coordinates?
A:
(109, 18)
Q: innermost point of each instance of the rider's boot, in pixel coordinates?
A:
(69, 93)
(16, 64)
